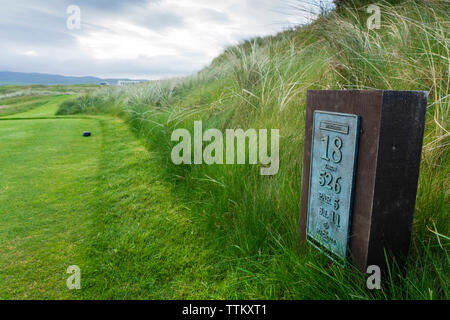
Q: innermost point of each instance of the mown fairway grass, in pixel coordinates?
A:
(14, 106)
(45, 109)
(98, 203)
(48, 173)
(47, 176)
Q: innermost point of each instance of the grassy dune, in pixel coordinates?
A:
(250, 222)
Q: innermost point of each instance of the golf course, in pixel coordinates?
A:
(140, 226)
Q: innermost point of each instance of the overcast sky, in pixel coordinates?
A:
(142, 39)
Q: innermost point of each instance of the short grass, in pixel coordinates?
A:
(13, 106)
(47, 177)
(46, 109)
(17, 99)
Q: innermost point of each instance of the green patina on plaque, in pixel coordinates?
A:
(333, 163)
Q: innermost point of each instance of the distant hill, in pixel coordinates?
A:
(19, 78)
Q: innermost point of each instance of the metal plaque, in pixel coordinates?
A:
(333, 163)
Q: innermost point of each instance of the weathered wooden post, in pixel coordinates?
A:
(361, 164)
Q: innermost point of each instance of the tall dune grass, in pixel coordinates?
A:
(252, 220)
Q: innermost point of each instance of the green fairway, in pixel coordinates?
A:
(47, 177)
(48, 172)
(98, 203)
(19, 105)
(41, 108)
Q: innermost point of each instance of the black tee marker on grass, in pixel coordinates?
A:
(86, 134)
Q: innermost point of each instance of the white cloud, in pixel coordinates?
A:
(32, 53)
(138, 38)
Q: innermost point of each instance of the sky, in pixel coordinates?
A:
(137, 39)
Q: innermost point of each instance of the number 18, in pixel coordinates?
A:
(336, 154)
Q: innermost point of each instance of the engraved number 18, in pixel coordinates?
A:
(336, 145)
